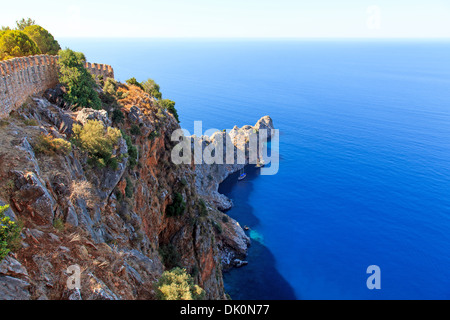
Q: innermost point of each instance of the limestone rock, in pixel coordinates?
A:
(14, 289)
(90, 114)
(33, 198)
(9, 213)
(11, 267)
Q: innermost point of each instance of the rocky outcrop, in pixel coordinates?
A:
(14, 280)
(209, 176)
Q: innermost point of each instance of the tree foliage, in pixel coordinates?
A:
(78, 81)
(43, 39)
(15, 43)
(23, 23)
(177, 284)
(177, 207)
(169, 105)
(152, 88)
(134, 82)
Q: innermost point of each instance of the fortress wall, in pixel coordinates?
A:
(32, 75)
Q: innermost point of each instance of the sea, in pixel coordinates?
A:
(364, 173)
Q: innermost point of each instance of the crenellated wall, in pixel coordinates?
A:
(26, 76)
(100, 70)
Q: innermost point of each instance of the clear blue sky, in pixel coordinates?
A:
(236, 18)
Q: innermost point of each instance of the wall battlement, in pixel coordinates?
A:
(32, 75)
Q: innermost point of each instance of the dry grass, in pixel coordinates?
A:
(82, 189)
(134, 96)
(46, 144)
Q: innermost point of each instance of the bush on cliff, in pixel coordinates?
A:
(15, 43)
(77, 80)
(169, 105)
(46, 144)
(9, 233)
(152, 88)
(170, 257)
(177, 284)
(177, 207)
(43, 39)
(98, 142)
(134, 82)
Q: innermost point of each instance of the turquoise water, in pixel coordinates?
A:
(364, 176)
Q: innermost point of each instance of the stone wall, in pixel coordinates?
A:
(26, 76)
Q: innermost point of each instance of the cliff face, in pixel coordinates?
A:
(111, 223)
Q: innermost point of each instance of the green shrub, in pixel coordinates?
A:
(110, 87)
(218, 227)
(177, 207)
(169, 256)
(152, 88)
(153, 135)
(58, 224)
(135, 130)
(202, 208)
(169, 105)
(225, 218)
(9, 233)
(43, 39)
(15, 43)
(134, 82)
(77, 80)
(46, 144)
(97, 141)
(117, 116)
(129, 188)
(177, 284)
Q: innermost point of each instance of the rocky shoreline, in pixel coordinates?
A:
(234, 243)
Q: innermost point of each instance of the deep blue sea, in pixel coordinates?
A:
(364, 175)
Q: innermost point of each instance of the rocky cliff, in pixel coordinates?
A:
(110, 221)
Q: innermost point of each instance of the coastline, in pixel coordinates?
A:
(259, 279)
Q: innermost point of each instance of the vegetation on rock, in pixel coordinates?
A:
(169, 105)
(77, 80)
(9, 233)
(177, 207)
(134, 82)
(152, 88)
(48, 145)
(98, 142)
(177, 284)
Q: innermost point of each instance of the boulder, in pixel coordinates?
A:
(33, 198)
(90, 114)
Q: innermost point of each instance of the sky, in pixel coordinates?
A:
(235, 18)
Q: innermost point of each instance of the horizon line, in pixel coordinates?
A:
(254, 38)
